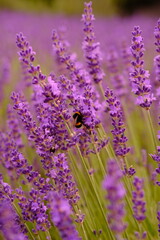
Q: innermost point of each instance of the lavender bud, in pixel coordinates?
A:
(138, 199)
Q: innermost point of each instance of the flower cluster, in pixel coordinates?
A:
(90, 47)
(63, 179)
(157, 58)
(116, 114)
(117, 79)
(115, 195)
(8, 222)
(26, 56)
(61, 216)
(157, 36)
(139, 77)
(138, 199)
(4, 75)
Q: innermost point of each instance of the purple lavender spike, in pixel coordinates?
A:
(157, 36)
(33, 208)
(139, 76)
(8, 222)
(5, 70)
(61, 216)
(139, 203)
(157, 58)
(14, 127)
(90, 47)
(35, 134)
(63, 178)
(21, 106)
(26, 56)
(117, 79)
(140, 235)
(116, 114)
(115, 196)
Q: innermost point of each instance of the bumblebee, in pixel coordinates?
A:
(78, 119)
(52, 150)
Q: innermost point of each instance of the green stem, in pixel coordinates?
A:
(102, 90)
(39, 238)
(91, 179)
(152, 130)
(84, 232)
(85, 199)
(130, 124)
(99, 160)
(48, 235)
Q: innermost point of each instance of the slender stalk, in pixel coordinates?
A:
(85, 199)
(39, 238)
(152, 130)
(87, 174)
(48, 235)
(148, 120)
(84, 232)
(101, 90)
(130, 125)
(91, 179)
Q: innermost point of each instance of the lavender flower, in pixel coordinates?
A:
(61, 216)
(77, 74)
(11, 159)
(141, 236)
(157, 58)
(17, 165)
(21, 106)
(14, 127)
(26, 56)
(138, 200)
(157, 36)
(115, 196)
(34, 133)
(6, 192)
(116, 114)
(131, 171)
(139, 77)
(8, 222)
(4, 75)
(63, 179)
(33, 208)
(126, 57)
(90, 47)
(117, 79)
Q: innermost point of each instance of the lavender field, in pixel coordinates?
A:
(79, 127)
